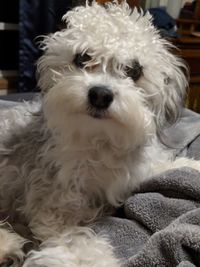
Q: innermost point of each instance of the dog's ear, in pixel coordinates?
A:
(169, 77)
(172, 94)
(173, 76)
(49, 63)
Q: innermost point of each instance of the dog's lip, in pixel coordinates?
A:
(92, 115)
(98, 113)
(105, 117)
(96, 116)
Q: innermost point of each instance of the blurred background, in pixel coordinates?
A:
(22, 21)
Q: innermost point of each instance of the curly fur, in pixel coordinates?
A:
(63, 168)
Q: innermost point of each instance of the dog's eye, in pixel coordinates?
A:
(80, 60)
(134, 72)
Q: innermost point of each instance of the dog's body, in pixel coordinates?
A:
(110, 84)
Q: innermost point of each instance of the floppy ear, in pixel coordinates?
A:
(173, 93)
(169, 76)
(45, 65)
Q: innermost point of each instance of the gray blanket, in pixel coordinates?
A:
(160, 224)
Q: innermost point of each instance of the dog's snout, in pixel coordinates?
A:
(100, 97)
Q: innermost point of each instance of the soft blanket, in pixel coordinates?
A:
(159, 225)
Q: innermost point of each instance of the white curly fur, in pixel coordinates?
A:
(10, 247)
(63, 168)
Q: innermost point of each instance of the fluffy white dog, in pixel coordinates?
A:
(110, 84)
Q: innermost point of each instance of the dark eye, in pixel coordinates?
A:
(81, 59)
(135, 71)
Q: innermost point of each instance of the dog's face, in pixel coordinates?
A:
(109, 76)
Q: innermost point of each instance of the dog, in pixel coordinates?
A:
(109, 86)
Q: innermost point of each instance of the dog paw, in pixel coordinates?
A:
(78, 250)
(11, 244)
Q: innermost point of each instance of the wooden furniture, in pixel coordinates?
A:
(189, 48)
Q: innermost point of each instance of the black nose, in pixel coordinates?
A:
(100, 97)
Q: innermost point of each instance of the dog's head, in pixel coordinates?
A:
(109, 75)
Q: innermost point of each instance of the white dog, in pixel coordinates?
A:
(110, 84)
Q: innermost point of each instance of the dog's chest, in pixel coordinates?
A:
(97, 174)
(86, 183)
(93, 165)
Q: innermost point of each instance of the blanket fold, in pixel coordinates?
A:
(162, 222)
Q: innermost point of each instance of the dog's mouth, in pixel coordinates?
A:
(97, 113)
